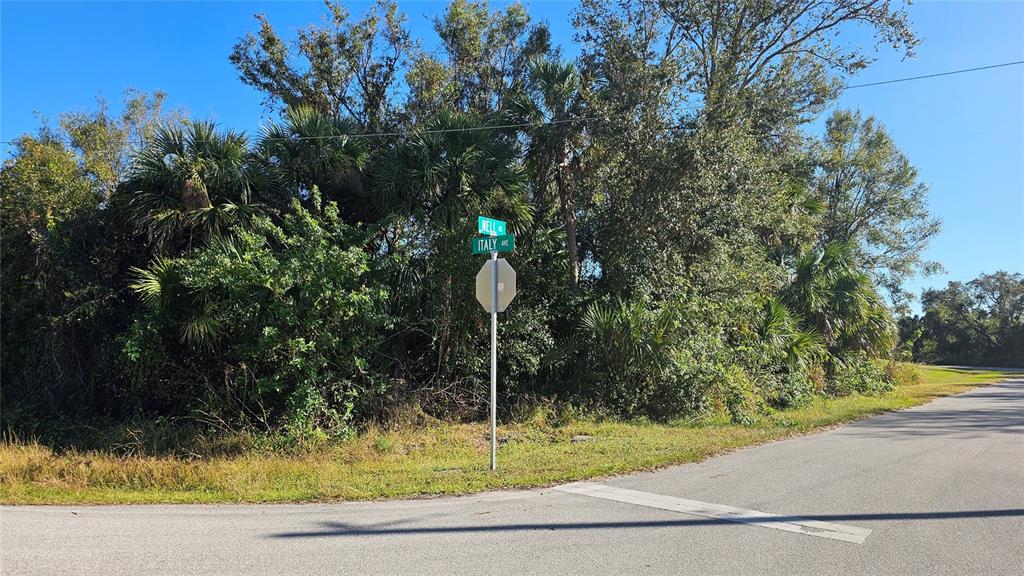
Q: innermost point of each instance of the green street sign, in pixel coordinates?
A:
(486, 244)
(490, 226)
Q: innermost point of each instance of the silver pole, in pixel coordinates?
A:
(494, 360)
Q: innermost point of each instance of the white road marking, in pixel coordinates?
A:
(817, 528)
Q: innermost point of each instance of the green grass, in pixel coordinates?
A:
(436, 459)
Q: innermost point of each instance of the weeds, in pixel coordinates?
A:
(432, 458)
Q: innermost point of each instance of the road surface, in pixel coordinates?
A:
(937, 489)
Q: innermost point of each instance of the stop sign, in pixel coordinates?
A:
(506, 285)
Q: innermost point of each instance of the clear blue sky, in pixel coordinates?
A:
(964, 133)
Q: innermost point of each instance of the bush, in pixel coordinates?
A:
(902, 373)
(742, 402)
(273, 325)
(788, 389)
(665, 361)
(624, 355)
(856, 373)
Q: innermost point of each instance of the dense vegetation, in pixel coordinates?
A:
(682, 243)
(433, 458)
(978, 323)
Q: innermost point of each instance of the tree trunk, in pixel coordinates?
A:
(194, 195)
(569, 212)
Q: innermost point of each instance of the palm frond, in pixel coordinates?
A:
(159, 284)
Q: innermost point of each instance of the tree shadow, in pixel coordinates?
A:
(975, 421)
(341, 529)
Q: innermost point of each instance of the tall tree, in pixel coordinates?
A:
(553, 104)
(980, 322)
(343, 67)
(769, 63)
(189, 184)
(64, 260)
(311, 149)
(481, 62)
(439, 181)
(106, 141)
(873, 201)
(43, 183)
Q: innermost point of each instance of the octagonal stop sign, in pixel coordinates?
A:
(506, 285)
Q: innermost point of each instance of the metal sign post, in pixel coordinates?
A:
(495, 289)
(494, 360)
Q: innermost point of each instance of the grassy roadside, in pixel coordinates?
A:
(441, 459)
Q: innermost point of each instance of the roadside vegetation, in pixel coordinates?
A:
(976, 323)
(195, 313)
(544, 445)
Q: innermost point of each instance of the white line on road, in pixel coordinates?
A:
(842, 532)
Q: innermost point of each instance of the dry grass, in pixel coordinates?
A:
(435, 459)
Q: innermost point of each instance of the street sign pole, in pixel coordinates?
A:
(494, 240)
(494, 360)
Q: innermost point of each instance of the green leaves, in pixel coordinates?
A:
(841, 311)
(451, 171)
(682, 249)
(339, 67)
(627, 351)
(980, 322)
(873, 201)
(186, 184)
(802, 348)
(288, 305)
(159, 285)
(43, 184)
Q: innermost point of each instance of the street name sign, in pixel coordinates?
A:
(506, 285)
(490, 226)
(495, 289)
(485, 244)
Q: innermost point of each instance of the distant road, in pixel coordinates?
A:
(937, 489)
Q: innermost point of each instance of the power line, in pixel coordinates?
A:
(411, 132)
(583, 119)
(949, 73)
(441, 130)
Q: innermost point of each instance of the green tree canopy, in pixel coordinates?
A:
(873, 201)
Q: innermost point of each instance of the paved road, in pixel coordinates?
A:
(938, 489)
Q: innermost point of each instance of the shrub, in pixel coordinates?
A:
(741, 400)
(902, 373)
(664, 361)
(856, 373)
(788, 388)
(275, 324)
(624, 354)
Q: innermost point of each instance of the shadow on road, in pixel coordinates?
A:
(946, 423)
(991, 415)
(341, 529)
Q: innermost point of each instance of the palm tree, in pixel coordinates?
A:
(802, 347)
(633, 346)
(451, 171)
(839, 301)
(162, 288)
(189, 183)
(551, 101)
(311, 149)
(435, 184)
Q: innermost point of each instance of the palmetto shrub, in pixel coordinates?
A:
(275, 325)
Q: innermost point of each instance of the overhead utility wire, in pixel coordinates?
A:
(413, 132)
(587, 119)
(951, 72)
(442, 130)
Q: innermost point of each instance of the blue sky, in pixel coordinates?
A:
(964, 133)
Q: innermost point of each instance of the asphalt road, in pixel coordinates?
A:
(937, 489)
